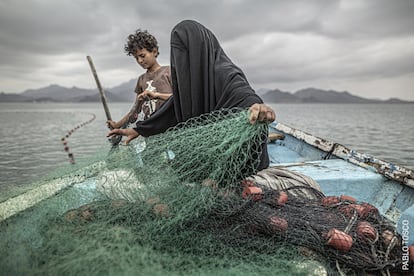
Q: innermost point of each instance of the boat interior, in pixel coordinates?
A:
(337, 176)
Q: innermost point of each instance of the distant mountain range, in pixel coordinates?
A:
(314, 95)
(125, 93)
(56, 93)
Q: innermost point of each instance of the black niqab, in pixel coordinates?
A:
(204, 79)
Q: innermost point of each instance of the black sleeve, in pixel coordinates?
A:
(251, 100)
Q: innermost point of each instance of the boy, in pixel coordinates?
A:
(154, 86)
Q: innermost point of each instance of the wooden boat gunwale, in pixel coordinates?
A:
(392, 171)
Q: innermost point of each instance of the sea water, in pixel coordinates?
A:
(31, 133)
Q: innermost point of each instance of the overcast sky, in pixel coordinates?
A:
(365, 47)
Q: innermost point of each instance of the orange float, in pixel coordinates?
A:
(366, 232)
(330, 200)
(282, 199)
(339, 240)
(278, 224)
(252, 191)
(347, 198)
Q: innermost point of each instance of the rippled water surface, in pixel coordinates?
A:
(385, 131)
(30, 138)
(30, 133)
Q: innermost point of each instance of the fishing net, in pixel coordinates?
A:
(191, 202)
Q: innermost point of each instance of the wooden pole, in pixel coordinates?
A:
(116, 138)
(101, 91)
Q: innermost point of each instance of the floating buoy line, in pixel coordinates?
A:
(69, 133)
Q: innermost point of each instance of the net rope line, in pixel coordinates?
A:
(65, 138)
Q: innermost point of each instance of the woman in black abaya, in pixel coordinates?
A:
(204, 79)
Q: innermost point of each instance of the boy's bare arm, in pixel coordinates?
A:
(136, 108)
(154, 95)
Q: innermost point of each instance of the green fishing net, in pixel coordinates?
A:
(183, 203)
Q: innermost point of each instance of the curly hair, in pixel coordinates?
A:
(141, 39)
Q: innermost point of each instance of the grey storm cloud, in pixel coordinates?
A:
(344, 45)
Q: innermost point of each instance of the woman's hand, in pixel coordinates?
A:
(130, 134)
(261, 113)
